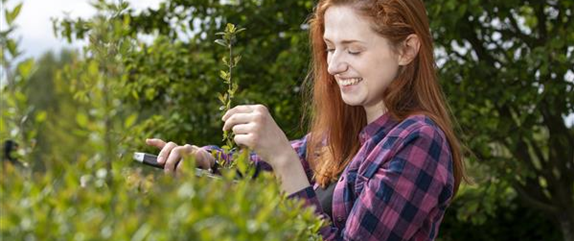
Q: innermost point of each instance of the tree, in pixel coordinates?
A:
(47, 93)
(507, 70)
(100, 195)
(503, 65)
(181, 66)
(19, 121)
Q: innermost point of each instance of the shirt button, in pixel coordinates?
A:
(340, 219)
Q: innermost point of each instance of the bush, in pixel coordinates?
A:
(122, 90)
(82, 201)
(92, 190)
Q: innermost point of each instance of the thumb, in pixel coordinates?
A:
(159, 143)
(202, 158)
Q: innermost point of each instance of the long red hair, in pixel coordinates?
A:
(415, 91)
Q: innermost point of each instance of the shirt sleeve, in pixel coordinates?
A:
(299, 145)
(402, 194)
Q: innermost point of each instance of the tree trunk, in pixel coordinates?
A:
(566, 222)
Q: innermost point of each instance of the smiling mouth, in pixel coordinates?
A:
(349, 82)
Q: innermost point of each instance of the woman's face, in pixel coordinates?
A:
(361, 61)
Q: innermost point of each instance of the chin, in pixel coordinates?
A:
(352, 102)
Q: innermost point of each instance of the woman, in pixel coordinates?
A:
(381, 160)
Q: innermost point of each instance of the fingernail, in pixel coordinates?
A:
(159, 159)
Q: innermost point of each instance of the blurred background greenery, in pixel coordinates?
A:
(506, 68)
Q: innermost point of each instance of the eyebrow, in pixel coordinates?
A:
(344, 42)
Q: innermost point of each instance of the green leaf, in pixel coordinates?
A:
(12, 48)
(25, 68)
(82, 119)
(224, 75)
(222, 98)
(130, 120)
(41, 116)
(125, 47)
(135, 95)
(221, 42)
(234, 87)
(150, 93)
(243, 161)
(240, 30)
(20, 97)
(93, 68)
(11, 16)
(230, 28)
(236, 60)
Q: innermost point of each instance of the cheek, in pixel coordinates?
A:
(381, 71)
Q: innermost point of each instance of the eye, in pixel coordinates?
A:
(354, 52)
(330, 50)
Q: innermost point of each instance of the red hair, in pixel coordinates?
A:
(415, 90)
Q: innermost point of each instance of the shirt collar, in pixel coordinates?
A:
(382, 123)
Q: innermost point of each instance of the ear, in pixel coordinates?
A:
(410, 49)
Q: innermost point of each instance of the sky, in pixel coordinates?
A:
(35, 27)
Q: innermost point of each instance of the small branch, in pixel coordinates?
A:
(521, 190)
(542, 30)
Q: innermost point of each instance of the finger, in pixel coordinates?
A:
(243, 128)
(237, 109)
(186, 149)
(174, 158)
(178, 168)
(247, 140)
(202, 158)
(260, 108)
(164, 153)
(238, 118)
(159, 143)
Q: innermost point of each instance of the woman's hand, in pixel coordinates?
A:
(255, 128)
(171, 154)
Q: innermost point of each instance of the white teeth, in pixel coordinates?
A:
(351, 81)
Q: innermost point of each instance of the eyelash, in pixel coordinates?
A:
(351, 53)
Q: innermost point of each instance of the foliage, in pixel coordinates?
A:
(491, 217)
(48, 92)
(172, 78)
(19, 121)
(101, 194)
(228, 39)
(76, 201)
(505, 67)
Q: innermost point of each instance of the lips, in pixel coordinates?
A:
(349, 81)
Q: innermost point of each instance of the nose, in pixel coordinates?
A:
(336, 64)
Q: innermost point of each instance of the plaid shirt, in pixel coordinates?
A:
(397, 187)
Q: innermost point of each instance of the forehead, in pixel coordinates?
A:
(344, 23)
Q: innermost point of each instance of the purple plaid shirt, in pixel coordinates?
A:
(397, 187)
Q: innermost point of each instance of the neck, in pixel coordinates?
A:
(375, 111)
